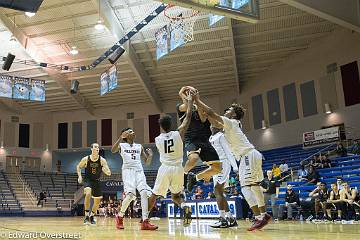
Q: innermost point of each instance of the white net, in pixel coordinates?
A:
(182, 22)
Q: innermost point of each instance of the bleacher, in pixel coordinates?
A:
(293, 155)
(60, 187)
(9, 205)
(347, 168)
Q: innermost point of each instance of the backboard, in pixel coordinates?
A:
(243, 10)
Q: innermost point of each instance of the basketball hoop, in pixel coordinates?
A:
(182, 19)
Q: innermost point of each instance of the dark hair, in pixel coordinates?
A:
(92, 145)
(239, 110)
(323, 183)
(165, 123)
(124, 130)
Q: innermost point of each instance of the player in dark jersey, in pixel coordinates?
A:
(94, 165)
(322, 194)
(196, 141)
(335, 202)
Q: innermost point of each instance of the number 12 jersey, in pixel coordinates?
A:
(170, 147)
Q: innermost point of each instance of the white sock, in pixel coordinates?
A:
(144, 205)
(121, 214)
(197, 178)
(259, 217)
(182, 205)
(91, 214)
(228, 214)
(222, 213)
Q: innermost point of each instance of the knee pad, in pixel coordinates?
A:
(249, 196)
(258, 195)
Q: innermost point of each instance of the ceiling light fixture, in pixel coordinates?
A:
(99, 24)
(30, 14)
(74, 50)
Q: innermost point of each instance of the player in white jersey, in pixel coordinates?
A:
(221, 145)
(133, 176)
(250, 169)
(171, 172)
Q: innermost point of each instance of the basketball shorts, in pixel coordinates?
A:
(207, 152)
(223, 177)
(250, 169)
(95, 187)
(169, 178)
(133, 180)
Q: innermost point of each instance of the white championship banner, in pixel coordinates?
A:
(320, 137)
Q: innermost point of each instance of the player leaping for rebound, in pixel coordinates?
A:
(171, 172)
(197, 145)
(250, 169)
(133, 176)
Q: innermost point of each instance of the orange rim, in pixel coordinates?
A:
(194, 13)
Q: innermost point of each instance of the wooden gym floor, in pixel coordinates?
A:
(170, 229)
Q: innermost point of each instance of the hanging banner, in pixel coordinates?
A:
(21, 88)
(320, 137)
(6, 86)
(113, 79)
(177, 35)
(104, 83)
(37, 92)
(213, 19)
(161, 37)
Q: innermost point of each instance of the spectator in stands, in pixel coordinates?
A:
(351, 198)
(235, 194)
(316, 162)
(340, 150)
(284, 168)
(199, 193)
(321, 195)
(210, 195)
(276, 171)
(302, 173)
(355, 149)
(42, 198)
(292, 201)
(271, 188)
(233, 181)
(325, 161)
(313, 176)
(334, 202)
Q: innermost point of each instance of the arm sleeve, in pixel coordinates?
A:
(229, 155)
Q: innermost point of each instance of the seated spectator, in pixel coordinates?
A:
(340, 150)
(284, 168)
(321, 195)
(276, 171)
(302, 173)
(42, 198)
(325, 161)
(199, 193)
(210, 195)
(316, 162)
(334, 202)
(235, 194)
(351, 198)
(271, 186)
(355, 149)
(292, 201)
(313, 176)
(233, 181)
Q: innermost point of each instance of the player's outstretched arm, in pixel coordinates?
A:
(185, 124)
(147, 155)
(105, 167)
(116, 147)
(208, 110)
(182, 95)
(81, 165)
